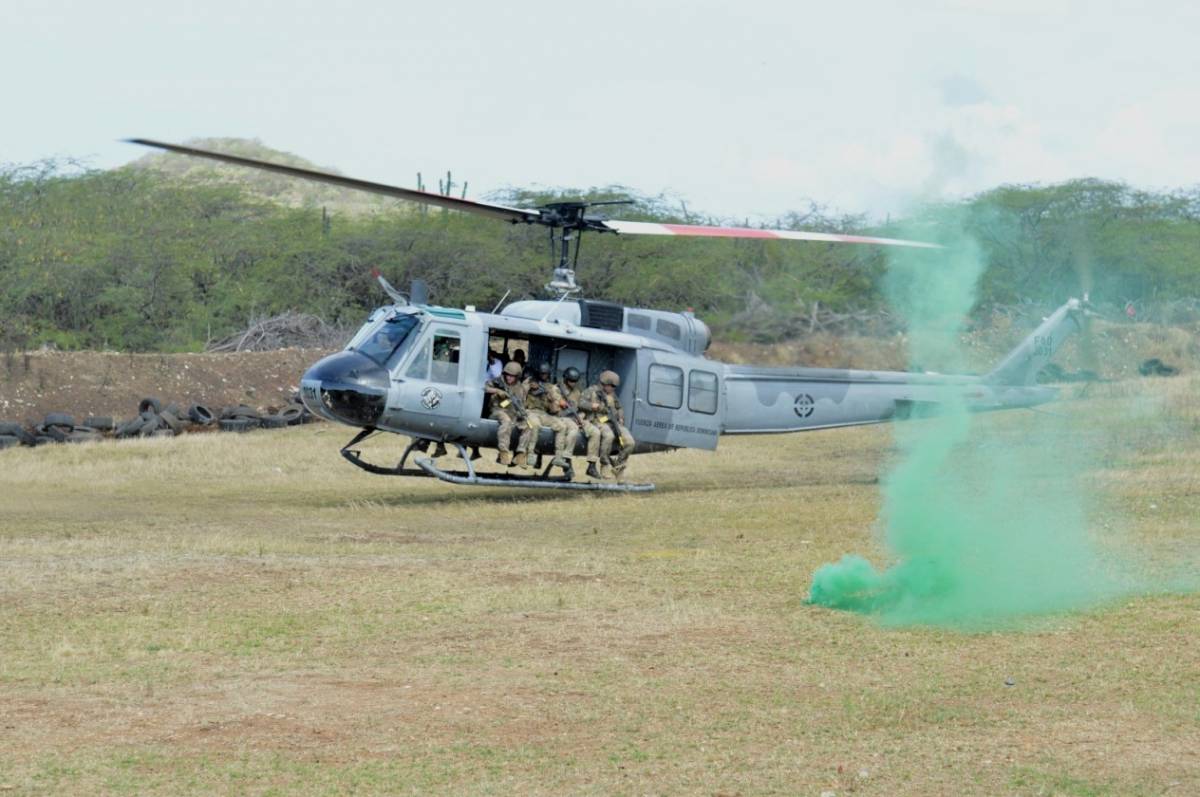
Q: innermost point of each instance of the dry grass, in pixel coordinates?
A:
(251, 615)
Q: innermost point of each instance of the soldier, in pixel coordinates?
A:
(545, 403)
(611, 420)
(518, 357)
(506, 398)
(572, 393)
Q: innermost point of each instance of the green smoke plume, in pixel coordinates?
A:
(986, 519)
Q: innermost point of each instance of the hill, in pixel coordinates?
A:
(275, 188)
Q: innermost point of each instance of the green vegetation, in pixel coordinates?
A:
(166, 258)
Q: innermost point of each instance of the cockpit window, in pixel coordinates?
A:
(387, 340)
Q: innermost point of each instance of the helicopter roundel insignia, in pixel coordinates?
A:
(431, 397)
(804, 405)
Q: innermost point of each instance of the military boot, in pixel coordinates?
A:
(593, 472)
(606, 472)
(560, 462)
(520, 461)
(505, 458)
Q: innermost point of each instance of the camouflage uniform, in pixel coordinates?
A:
(611, 415)
(590, 430)
(501, 410)
(544, 402)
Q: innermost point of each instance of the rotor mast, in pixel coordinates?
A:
(567, 222)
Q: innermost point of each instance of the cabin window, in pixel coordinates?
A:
(446, 350)
(666, 386)
(637, 321)
(669, 329)
(702, 392)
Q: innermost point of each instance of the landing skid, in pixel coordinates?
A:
(426, 468)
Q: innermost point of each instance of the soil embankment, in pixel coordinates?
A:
(110, 383)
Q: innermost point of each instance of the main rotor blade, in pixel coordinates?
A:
(437, 200)
(652, 228)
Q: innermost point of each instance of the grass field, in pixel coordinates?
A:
(221, 614)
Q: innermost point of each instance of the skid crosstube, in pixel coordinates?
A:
(427, 469)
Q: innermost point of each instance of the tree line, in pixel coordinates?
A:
(136, 259)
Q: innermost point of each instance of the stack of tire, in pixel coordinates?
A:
(58, 427)
(156, 420)
(241, 418)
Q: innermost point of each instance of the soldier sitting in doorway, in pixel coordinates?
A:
(545, 403)
(611, 420)
(506, 406)
(582, 412)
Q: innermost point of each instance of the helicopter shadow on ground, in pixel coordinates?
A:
(449, 496)
(467, 496)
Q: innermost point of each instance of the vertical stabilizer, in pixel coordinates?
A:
(1021, 365)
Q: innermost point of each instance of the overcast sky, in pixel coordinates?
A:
(741, 108)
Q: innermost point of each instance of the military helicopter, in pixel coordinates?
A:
(419, 370)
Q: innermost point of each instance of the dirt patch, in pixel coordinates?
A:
(108, 383)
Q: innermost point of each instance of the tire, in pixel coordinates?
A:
(150, 403)
(130, 428)
(9, 441)
(149, 426)
(174, 409)
(172, 422)
(292, 415)
(81, 435)
(273, 422)
(9, 429)
(42, 440)
(235, 425)
(101, 422)
(201, 414)
(243, 411)
(59, 419)
(162, 433)
(53, 432)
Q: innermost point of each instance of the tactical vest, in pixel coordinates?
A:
(538, 399)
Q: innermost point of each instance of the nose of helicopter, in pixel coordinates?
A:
(348, 387)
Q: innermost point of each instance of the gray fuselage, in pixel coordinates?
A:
(420, 371)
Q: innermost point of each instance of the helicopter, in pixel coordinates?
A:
(418, 369)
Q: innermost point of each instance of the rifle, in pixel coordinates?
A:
(571, 411)
(603, 417)
(509, 398)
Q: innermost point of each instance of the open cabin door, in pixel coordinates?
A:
(677, 402)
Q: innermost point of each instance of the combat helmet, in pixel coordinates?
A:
(610, 378)
(544, 370)
(571, 374)
(512, 368)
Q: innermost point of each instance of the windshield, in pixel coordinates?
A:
(388, 339)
